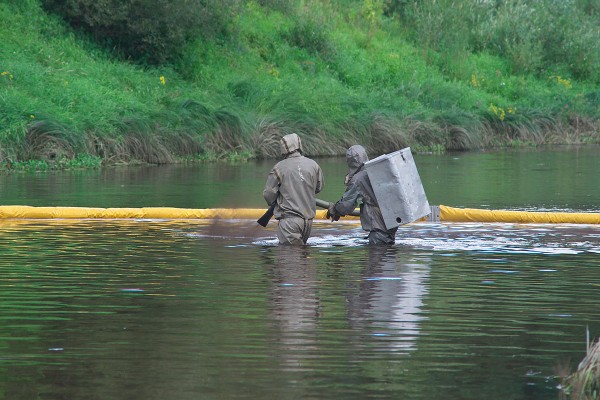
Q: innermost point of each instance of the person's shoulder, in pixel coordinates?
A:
(277, 164)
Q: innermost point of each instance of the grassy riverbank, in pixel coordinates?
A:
(337, 72)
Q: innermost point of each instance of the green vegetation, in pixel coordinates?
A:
(84, 82)
(584, 383)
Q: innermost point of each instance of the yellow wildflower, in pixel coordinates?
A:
(274, 72)
(498, 111)
(162, 80)
(565, 82)
(474, 81)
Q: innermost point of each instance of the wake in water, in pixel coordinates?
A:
(503, 238)
(496, 238)
(478, 237)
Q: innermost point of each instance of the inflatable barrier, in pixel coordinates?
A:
(450, 214)
(29, 212)
(439, 214)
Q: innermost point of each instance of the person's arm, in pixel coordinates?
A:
(320, 181)
(349, 200)
(271, 190)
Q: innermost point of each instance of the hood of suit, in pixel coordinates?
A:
(289, 144)
(356, 157)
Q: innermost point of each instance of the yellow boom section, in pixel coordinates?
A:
(476, 215)
(28, 212)
(446, 214)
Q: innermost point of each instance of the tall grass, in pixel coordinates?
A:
(584, 383)
(337, 73)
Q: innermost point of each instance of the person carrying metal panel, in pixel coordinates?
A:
(360, 191)
(291, 188)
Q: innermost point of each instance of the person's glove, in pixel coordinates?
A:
(331, 213)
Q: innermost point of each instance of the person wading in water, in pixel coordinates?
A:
(291, 188)
(359, 191)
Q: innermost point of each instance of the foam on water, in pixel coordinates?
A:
(564, 239)
(504, 238)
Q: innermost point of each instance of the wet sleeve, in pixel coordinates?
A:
(272, 187)
(320, 181)
(349, 200)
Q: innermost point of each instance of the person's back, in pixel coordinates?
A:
(299, 181)
(292, 185)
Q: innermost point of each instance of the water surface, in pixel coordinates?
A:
(138, 309)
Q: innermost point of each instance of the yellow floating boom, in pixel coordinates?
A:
(29, 212)
(441, 214)
(450, 214)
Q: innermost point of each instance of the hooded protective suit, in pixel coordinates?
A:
(359, 191)
(292, 186)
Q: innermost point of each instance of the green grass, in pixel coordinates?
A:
(334, 72)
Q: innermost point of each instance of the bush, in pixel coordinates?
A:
(147, 31)
(312, 37)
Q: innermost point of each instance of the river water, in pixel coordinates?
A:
(141, 309)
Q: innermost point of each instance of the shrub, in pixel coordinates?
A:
(147, 31)
(544, 35)
(312, 37)
(539, 37)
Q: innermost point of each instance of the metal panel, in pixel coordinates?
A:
(435, 214)
(398, 188)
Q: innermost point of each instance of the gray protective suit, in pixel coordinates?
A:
(292, 185)
(359, 191)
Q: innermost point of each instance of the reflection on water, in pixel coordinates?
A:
(187, 310)
(294, 304)
(387, 302)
